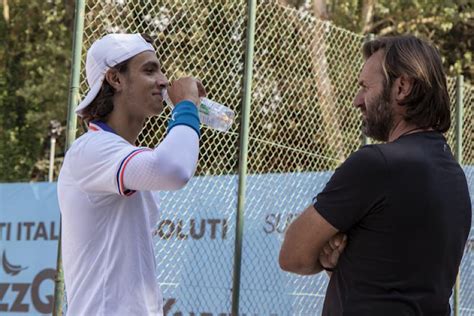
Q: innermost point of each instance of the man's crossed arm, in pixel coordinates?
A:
(311, 244)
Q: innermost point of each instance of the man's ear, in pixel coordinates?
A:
(114, 79)
(403, 86)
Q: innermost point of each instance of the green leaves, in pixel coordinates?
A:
(448, 24)
(34, 76)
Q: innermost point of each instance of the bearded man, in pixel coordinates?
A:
(392, 222)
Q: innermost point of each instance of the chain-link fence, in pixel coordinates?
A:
(302, 125)
(467, 265)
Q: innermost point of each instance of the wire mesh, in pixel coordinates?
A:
(302, 126)
(467, 265)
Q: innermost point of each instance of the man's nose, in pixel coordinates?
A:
(358, 100)
(162, 81)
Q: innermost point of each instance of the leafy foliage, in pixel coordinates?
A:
(449, 24)
(34, 77)
(206, 39)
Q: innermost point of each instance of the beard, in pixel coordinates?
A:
(378, 121)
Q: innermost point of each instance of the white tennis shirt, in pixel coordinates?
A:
(107, 249)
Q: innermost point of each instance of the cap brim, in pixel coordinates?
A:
(90, 96)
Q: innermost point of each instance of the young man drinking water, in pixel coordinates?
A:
(107, 186)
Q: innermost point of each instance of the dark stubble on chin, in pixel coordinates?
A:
(379, 119)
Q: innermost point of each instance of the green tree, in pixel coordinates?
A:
(207, 39)
(449, 24)
(34, 75)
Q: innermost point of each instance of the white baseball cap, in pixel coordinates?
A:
(105, 53)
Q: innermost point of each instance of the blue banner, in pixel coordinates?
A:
(194, 245)
(29, 232)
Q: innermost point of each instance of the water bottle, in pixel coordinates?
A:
(211, 113)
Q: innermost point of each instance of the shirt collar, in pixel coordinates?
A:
(97, 125)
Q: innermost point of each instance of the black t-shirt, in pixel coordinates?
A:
(406, 209)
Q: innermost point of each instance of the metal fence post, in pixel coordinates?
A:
(458, 155)
(52, 148)
(244, 140)
(365, 140)
(54, 133)
(73, 99)
(75, 72)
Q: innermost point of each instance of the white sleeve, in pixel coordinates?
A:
(95, 162)
(168, 167)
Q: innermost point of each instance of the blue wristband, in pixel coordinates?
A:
(185, 113)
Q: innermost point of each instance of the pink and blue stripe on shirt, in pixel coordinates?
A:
(120, 172)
